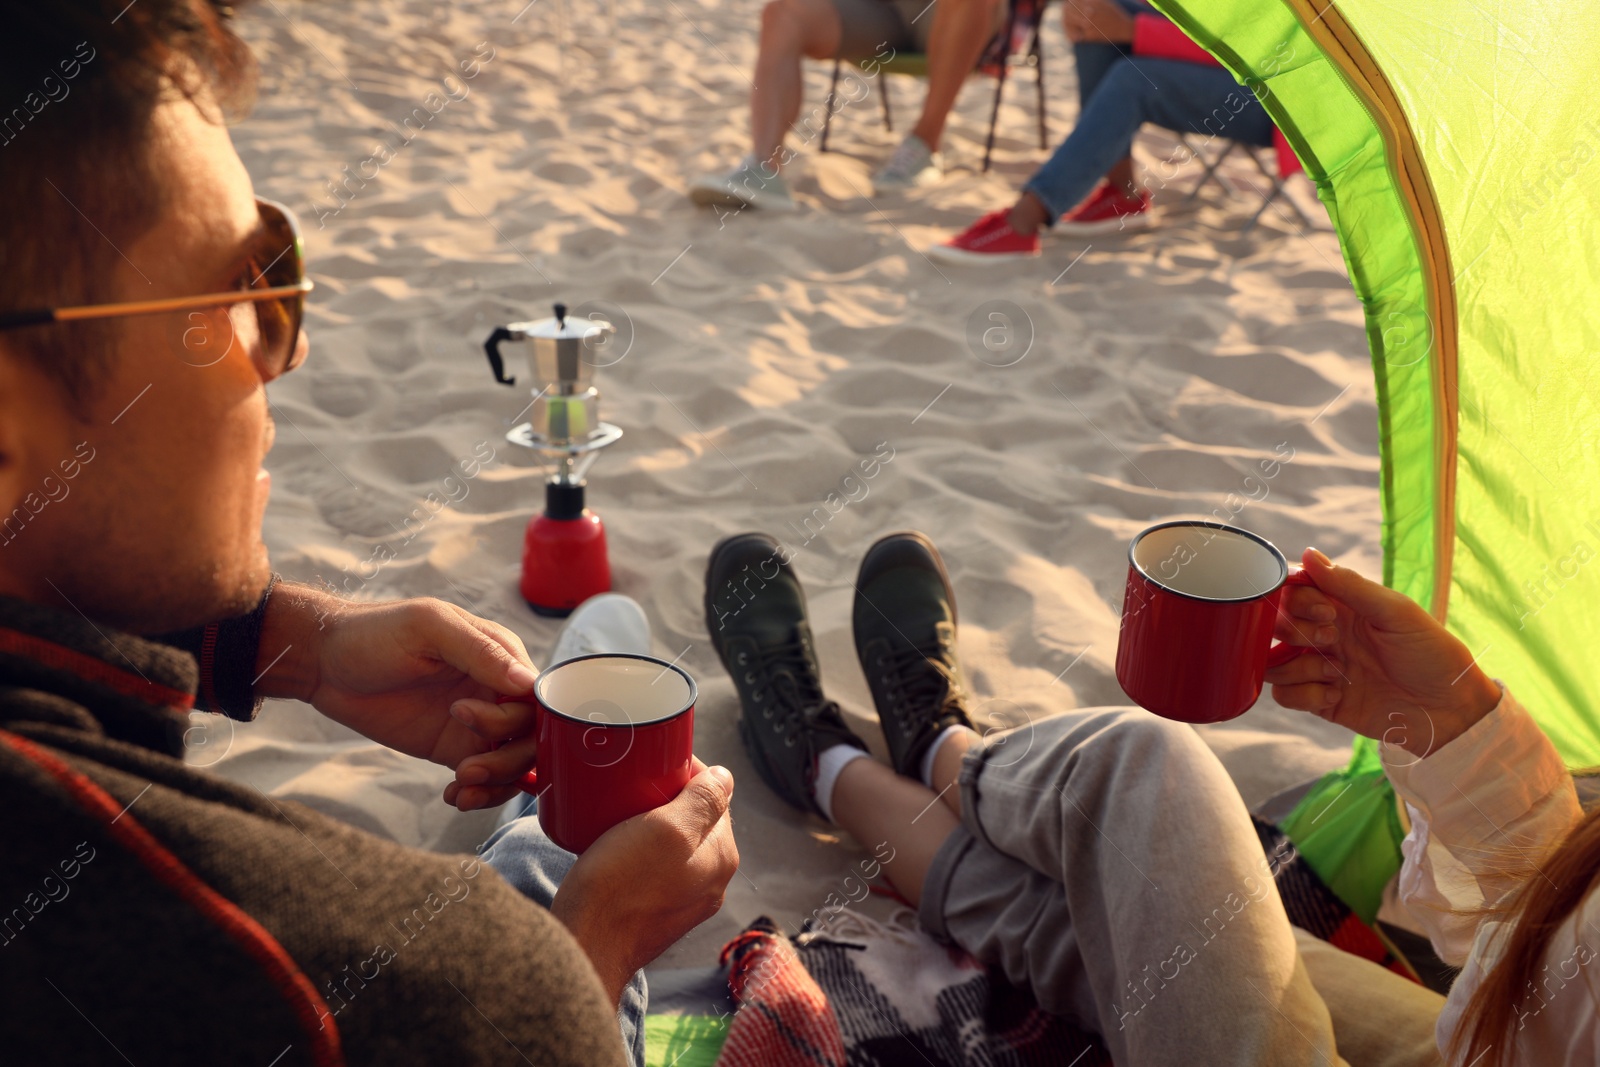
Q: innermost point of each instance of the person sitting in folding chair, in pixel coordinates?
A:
(952, 33)
(1133, 67)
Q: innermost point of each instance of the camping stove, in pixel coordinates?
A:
(564, 551)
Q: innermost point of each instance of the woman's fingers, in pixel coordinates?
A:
(1304, 632)
(1306, 667)
(1310, 681)
(1319, 698)
(1309, 603)
(1371, 602)
(494, 722)
(1306, 616)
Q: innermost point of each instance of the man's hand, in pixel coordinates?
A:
(651, 879)
(1096, 21)
(1379, 665)
(419, 676)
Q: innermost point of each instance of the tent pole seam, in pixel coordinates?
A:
(1345, 50)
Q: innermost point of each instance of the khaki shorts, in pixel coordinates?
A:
(881, 28)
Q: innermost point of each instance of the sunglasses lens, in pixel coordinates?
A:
(280, 319)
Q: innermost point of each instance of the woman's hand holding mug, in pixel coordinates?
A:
(1379, 664)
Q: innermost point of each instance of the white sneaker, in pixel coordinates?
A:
(913, 164)
(750, 184)
(609, 622)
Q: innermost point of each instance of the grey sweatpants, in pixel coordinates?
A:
(1106, 862)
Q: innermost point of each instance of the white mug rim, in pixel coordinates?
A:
(1277, 554)
(539, 696)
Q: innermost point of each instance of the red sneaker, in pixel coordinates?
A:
(989, 240)
(1107, 210)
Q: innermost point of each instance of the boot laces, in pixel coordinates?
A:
(791, 697)
(918, 687)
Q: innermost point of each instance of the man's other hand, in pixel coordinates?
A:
(419, 676)
(651, 879)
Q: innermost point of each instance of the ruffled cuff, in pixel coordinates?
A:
(1491, 775)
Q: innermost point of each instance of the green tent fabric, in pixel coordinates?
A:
(683, 1040)
(1457, 149)
(1348, 829)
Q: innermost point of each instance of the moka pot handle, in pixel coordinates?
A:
(491, 348)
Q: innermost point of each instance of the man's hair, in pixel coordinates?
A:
(79, 80)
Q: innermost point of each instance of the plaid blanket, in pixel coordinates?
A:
(853, 991)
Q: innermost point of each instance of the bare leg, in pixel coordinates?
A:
(876, 806)
(960, 31)
(947, 767)
(1028, 214)
(789, 29)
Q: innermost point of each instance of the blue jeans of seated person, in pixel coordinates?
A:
(535, 865)
(1118, 92)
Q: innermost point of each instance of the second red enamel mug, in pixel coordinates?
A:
(1197, 620)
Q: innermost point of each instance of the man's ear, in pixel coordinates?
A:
(35, 424)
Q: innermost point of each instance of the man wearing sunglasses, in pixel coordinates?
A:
(150, 913)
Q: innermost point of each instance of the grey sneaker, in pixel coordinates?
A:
(750, 184)
(913, 164)
(756, 614)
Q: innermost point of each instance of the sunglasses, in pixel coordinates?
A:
(274, 280)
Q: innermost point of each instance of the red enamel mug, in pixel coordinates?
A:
(616, 739)
(1197, 620)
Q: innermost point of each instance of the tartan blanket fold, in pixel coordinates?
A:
(854, 992)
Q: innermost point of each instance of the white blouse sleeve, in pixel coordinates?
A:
(1485, 809)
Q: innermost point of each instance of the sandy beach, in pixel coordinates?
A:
(466, 165)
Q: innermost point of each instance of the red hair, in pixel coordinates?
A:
(1537, 909)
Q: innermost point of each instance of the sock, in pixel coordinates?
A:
(933, 750)
(829, 764)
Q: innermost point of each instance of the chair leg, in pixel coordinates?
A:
(1287, 199)
(1274, 194)
(833, 92)
(1038, 73)
(883, 94)
(1274, 187)
(1279, 186)
(1266, 202)
(994, 118)
(1211, 166)
(1275, 191)
(1000, 84)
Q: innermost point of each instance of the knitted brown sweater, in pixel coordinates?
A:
(155, 914)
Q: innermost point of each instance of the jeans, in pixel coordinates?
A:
(1118, 92)
(1105, 862)
(535, 866)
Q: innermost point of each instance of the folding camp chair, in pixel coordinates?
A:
(1286, 164)
(1016, 45)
